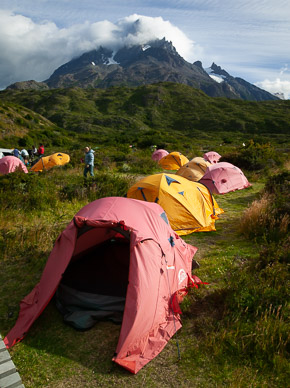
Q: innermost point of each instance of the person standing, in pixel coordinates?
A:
(24, 153)
(40, 150)
(89, 162)
(16, 152)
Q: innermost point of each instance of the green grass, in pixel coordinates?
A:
(210, 341)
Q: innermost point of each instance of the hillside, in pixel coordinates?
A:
(165, 114)
(17, 121)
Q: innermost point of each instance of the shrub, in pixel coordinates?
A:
(141, 163)
(254, 156)
(104, 184)
(27, 191)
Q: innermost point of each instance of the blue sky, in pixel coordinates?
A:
(248, 38)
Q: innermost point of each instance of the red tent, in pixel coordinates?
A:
(212, 156)
(221, 178)
(128, 249)
(159, 154)
(11, 164)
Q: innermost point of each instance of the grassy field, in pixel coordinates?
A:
(227, 339)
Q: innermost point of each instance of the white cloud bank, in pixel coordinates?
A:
(32, 50)
(279, 85)
(276, 86)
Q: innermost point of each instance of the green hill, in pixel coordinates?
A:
(166, 114)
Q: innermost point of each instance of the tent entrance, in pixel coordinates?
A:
(94, 286)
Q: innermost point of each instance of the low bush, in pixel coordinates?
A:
(140, 162)
(104, 184)
(27, 191)
(254, 156)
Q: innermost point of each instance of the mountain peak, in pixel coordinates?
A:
(218, 70)
(151, 62)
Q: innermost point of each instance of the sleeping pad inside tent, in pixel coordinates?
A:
(85, 294)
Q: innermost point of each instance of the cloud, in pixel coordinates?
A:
(276, 86)
(32, 50)
(284, 69)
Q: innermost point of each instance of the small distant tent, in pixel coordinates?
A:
(159, 154)
(173, 161)
(6, 152)
(194, 169)
(189, 206)
(47, 162)
(10, 164)
(212, 156)
(117, 256)
(224, 177)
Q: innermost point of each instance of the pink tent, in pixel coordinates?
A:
(11, 164)
(150, 269)
(159, 154)
(212, 156)
(221, 178)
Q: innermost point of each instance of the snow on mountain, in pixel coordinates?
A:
(146, 47)
(216, 77)
(111, 61)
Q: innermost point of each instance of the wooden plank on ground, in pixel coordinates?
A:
(9, 377)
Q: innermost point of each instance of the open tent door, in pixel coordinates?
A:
(94, 285)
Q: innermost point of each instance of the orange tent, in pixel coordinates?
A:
(194, 170)
(173, 161)
(47, 162)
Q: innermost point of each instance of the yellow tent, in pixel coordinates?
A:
(47, 162)
(194, 170)
(189, 206)
(173, 161)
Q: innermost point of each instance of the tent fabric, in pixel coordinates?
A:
(212, 156)
(47, 162)
(159, 264)
(159, 154)
(194, 169)
(10, 164)
(188, 205)
(224, 177)
(173, 161)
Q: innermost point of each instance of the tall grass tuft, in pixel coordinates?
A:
(254, 326)
(269, 217)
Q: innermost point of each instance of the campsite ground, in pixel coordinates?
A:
(55, 355)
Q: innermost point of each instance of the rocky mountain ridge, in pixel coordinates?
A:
(157, 61)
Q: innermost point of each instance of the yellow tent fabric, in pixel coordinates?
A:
(189, 206)
(194, 170)
(173, 161)
(47, 162)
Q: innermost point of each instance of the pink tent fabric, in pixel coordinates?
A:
(10, 164)
(221, 178)
(159, 265)
(212, 156)
(159, 154)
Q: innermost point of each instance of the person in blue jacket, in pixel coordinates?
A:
(89, 162)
